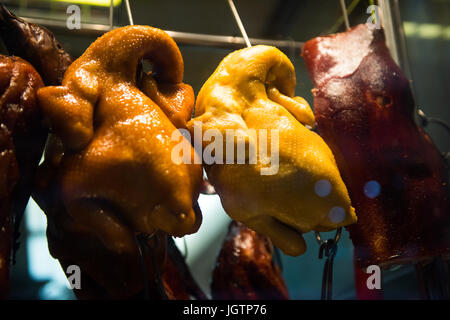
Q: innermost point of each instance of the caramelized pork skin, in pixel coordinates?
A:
(245, 269)
(396, 177)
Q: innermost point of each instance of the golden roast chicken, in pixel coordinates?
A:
(108, 173)
(251, 94)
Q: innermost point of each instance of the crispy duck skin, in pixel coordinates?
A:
(108, 174)
(36, 45)
(364, 109)
(22, 139)
(245, 269)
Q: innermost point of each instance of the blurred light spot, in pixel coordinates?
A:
(427, 31)
(322, 188)
(336, 215)
(372, 189)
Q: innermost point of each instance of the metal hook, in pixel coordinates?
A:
(111, 14)
(425, 120)
(141, 238)
(130, 15)
(239, 23)
(328, 248)
(337, 237)
(142, 247)
(345, 14)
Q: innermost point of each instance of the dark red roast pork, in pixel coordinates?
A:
(245, 269)
(396, 177)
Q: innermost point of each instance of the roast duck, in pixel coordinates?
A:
(397, 180)
(245, 269)
(23, 133)
(22, 139)
(35, 44)
(251, 93)
(108, 174)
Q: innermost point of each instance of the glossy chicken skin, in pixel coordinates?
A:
(22, 139)
(245, 268)
(110, 155)
(253, 88)
(36, 45)
(396, 177)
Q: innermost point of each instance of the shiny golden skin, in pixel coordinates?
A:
(114, 167)
(253, 88)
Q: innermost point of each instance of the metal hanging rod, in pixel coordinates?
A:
(187, 38)
(345, 14)
(239, 23)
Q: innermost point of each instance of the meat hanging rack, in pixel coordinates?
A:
(389, 10)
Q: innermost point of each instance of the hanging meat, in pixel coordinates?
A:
(396, 177)
(22, 139)
(284, 193)
(38, 46)
(35, 44)
(245, 269)
(178, 280)
(108, 173)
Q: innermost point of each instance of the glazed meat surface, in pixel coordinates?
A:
(108, 173)
(397, 180)
(245, 269)
(251, 94)
(35, 44)
(22, 139)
